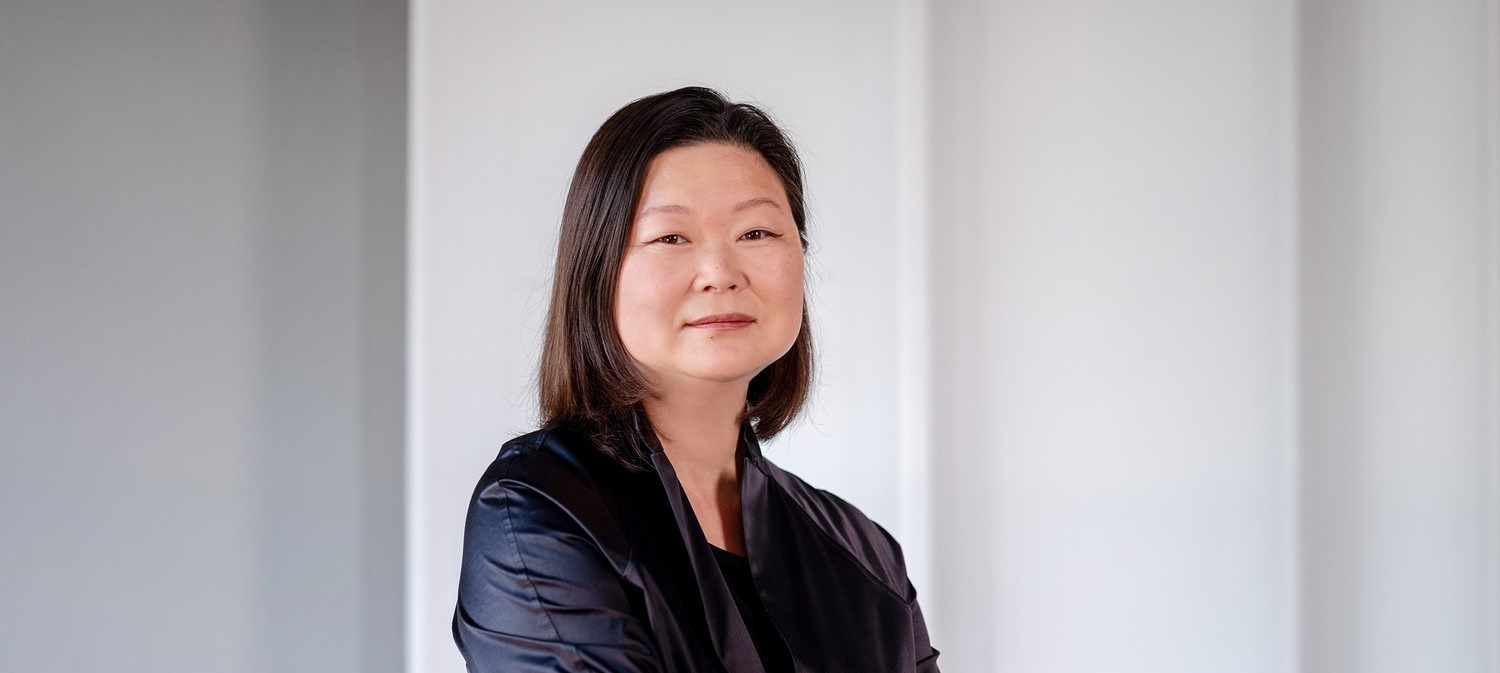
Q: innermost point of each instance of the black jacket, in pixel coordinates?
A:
(573, 563)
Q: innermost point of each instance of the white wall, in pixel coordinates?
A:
(1166, 334)
(1113, 254)
(200, 322)
(1236, 364)
(1181, 321)
(1400, 336)
(505, 95)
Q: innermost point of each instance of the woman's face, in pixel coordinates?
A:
(710, 288)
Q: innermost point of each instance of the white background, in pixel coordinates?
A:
(1165, 335)
(1164, 332)
(504, 99)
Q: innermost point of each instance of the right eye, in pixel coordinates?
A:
(671, 239)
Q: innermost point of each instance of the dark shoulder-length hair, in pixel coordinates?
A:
(586, 377)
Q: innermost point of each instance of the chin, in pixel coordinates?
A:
(722, 376)
(725, 372)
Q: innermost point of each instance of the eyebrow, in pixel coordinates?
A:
(669, 208)
(757, 201)
(683, 210)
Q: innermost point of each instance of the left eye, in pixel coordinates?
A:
(759, 234)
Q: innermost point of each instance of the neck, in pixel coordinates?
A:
(699, 431)
(699, 427)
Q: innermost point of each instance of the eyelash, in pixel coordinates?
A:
(663, 239)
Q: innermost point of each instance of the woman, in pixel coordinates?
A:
(641, 529)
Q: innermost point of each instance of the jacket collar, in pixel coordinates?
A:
(795, 563)
(726, 628)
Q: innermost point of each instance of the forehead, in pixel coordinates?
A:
(708, 176)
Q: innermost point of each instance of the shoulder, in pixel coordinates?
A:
(543, 557)
(554, 460)
(863, 539)
(551, 477)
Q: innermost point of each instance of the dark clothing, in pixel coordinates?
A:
(571, 562)
(774, 656)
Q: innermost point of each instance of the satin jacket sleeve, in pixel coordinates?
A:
(927, 656)
(536, 595)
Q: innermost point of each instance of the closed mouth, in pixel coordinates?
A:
(723, 320)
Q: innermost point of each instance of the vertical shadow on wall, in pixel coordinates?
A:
(1329, 465)
(330, 250)
(383, 59)
(963, 451)
(1397, 316)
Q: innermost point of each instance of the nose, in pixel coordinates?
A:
(719, 269)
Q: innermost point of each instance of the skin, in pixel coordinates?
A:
(713, 234)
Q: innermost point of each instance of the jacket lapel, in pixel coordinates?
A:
(825, 603)
(727, 630)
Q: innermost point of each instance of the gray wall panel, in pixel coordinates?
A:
(200, 243)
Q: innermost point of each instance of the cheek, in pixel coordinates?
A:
(785, 286)
(643, 298)
(628, 288)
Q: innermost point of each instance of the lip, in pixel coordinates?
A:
(723, 321)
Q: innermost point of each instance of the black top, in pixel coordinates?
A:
(768, 643)
(574, 563)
